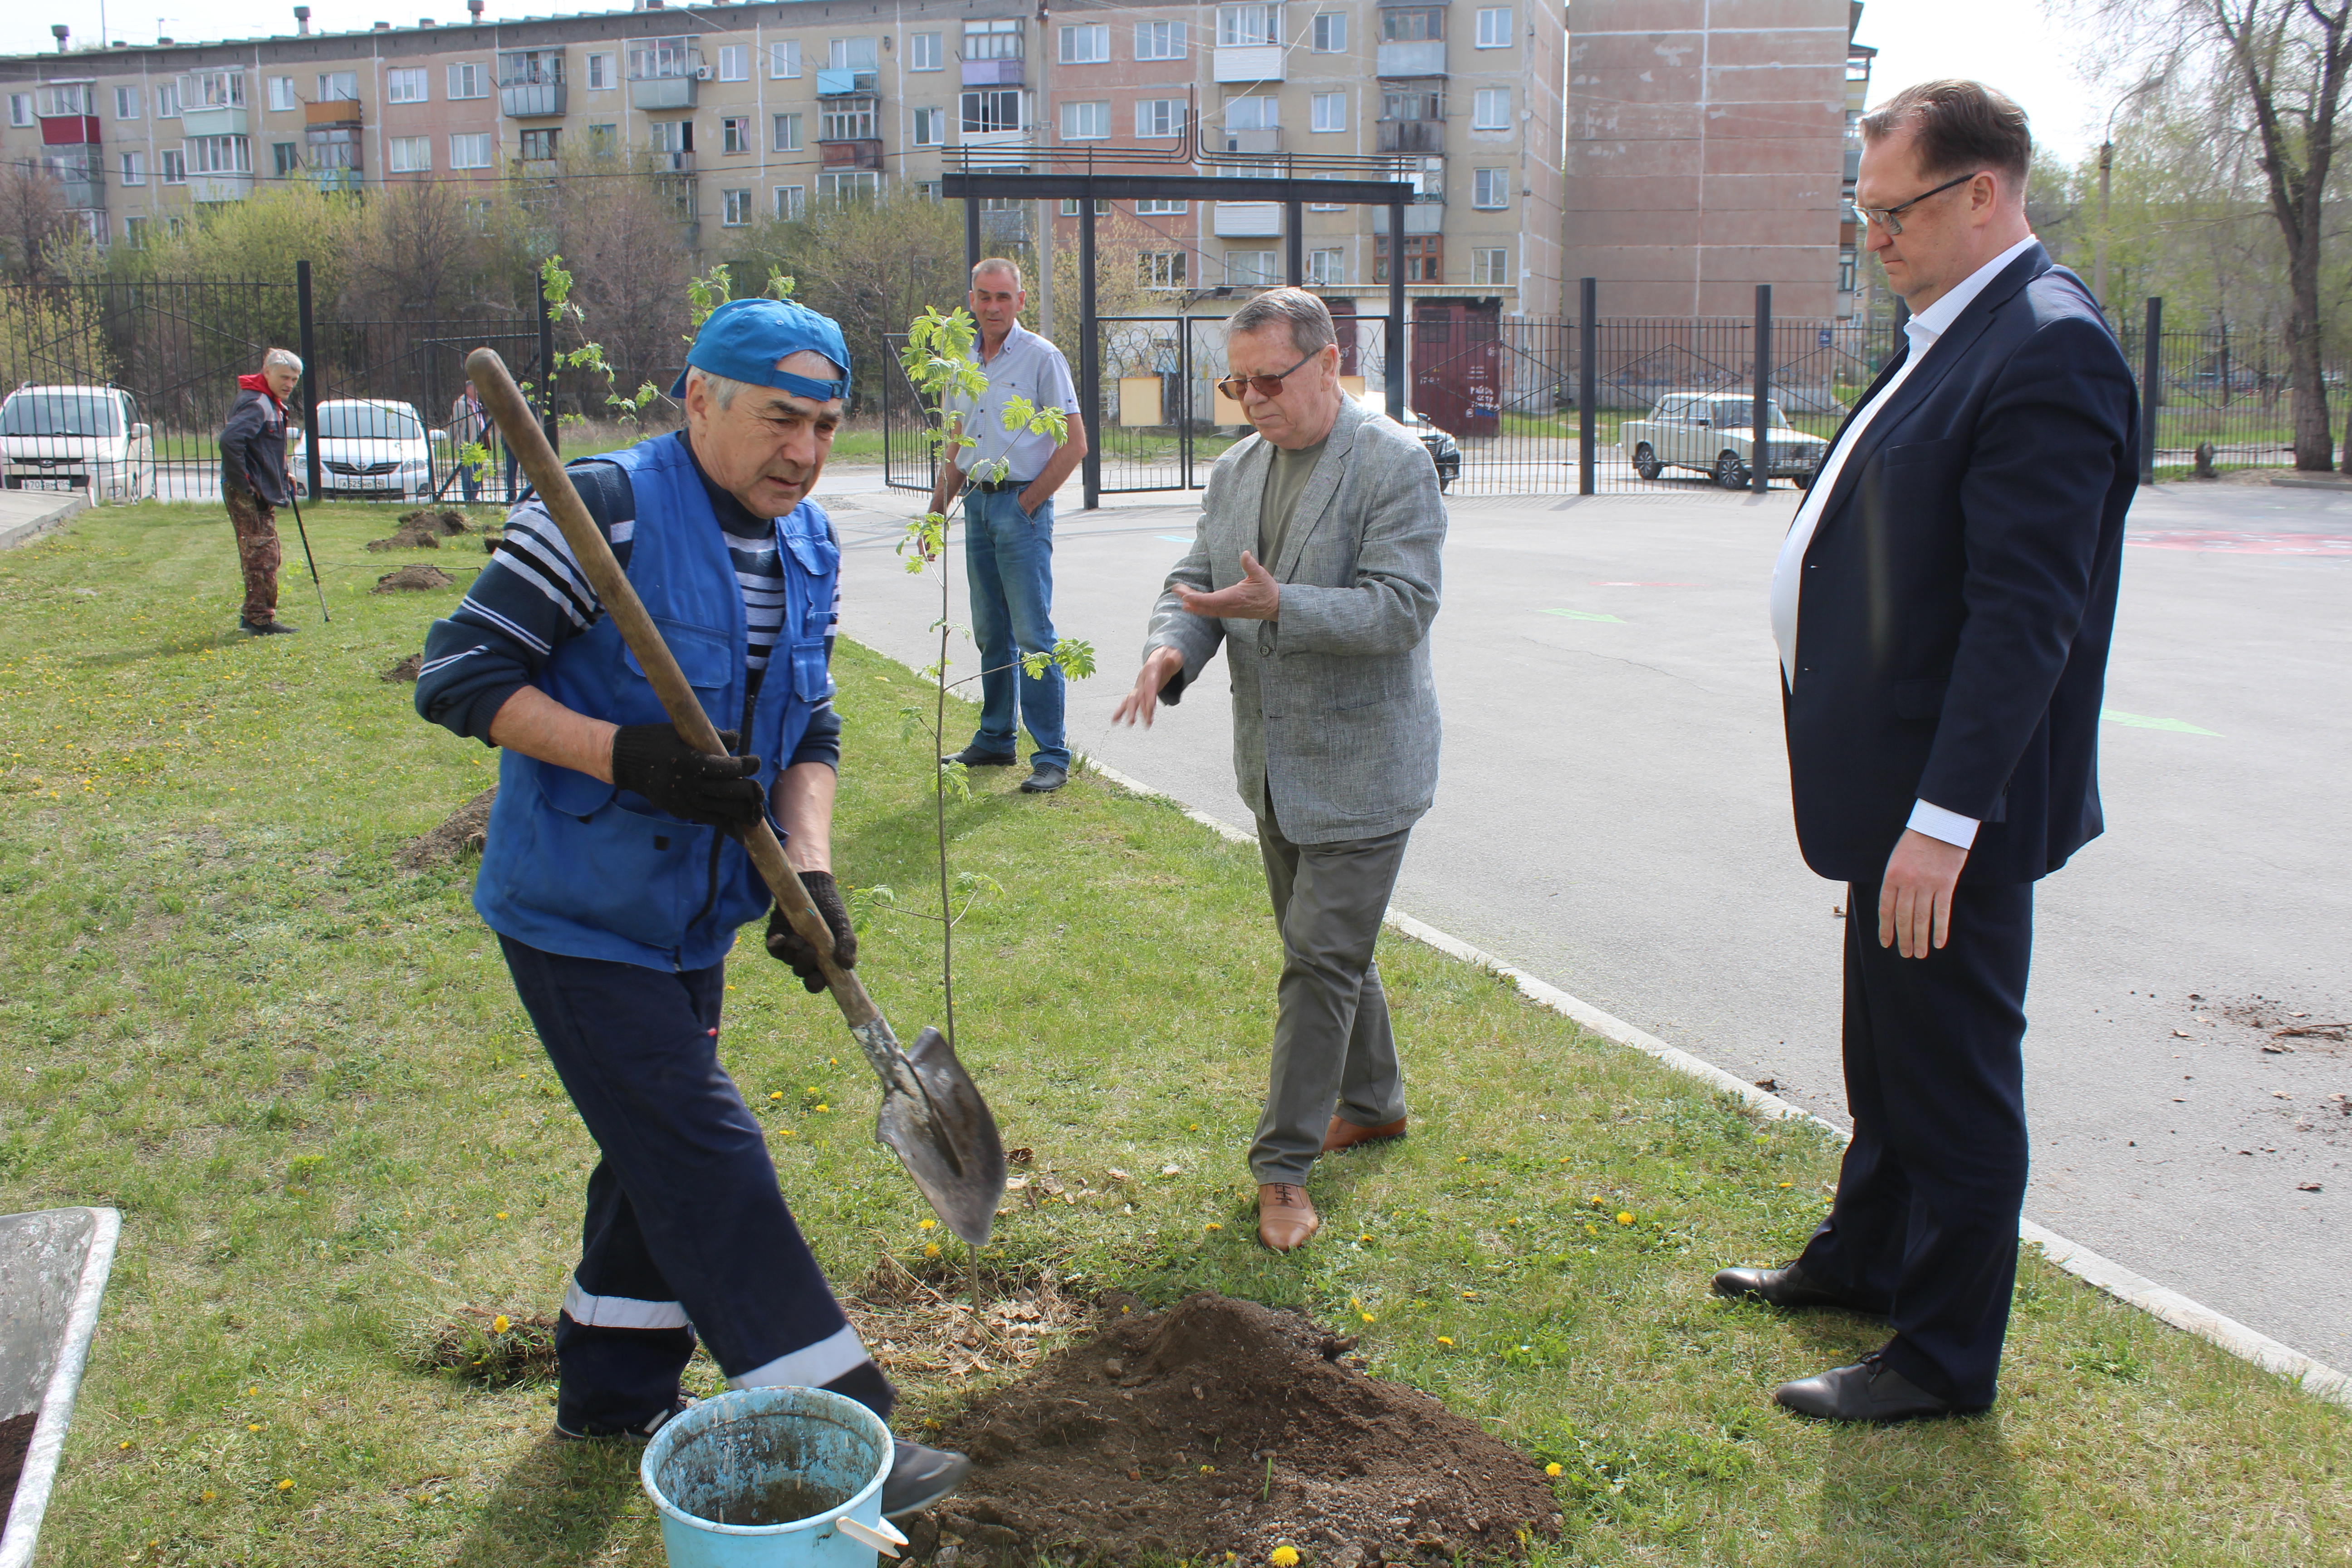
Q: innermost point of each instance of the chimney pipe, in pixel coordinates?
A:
(303, 20)
(383, 27)
(60, 31)
(476, 7)
(425, 21)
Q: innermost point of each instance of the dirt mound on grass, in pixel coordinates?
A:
(423, 529)
(1222, 1425)
(491, 1350)
(408, 669)
(463, 832)
(413, 580)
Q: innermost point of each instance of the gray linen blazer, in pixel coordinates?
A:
(1335, 713)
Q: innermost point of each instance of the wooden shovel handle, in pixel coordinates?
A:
(504, 402)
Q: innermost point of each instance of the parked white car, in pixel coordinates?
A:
(1714, 433)
(369, 447)
(73, 437)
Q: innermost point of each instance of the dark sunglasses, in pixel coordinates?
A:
(1267, 385)
(1891, 218)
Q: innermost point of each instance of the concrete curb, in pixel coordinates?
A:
(2316, 1378)
(29, 529)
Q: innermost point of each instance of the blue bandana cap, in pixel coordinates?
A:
(743, 339)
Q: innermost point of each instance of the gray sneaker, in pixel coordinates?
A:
(1044, 778)
(920, 1477)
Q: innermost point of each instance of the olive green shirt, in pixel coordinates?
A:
(1286, 481)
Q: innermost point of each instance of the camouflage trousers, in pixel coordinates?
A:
(255, 522)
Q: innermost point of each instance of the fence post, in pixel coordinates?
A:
(1294, 243)
(546, 368)
(1394, 353)
(2151, 386)
(1089, 350)
(310, 378)
(1760, 448)
(1587, 387)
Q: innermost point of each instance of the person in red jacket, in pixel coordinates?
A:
(254, 483)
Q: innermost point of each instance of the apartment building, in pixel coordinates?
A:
(761, 109)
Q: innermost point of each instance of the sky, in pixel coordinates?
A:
(2012, 43)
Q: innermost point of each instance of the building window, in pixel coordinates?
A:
(1086, 45)
(791, 203)
(1070, 208)
(1240, 26)
(1251, 268)
(335, 87)
(984, 112)
(20, 106)
(468, 79)
(1414, 103)
(174, 164)
(1329, 34)
(1161, 208)
(930, 127)
(167, 104)
(1414, 26)
(1330, 112)
(1491, 111)
(1160, 117)
(134, 168)
(734, 65)
(1490, 188)
(126, 100)
(851, 54)
(928, 191)
(670, 135)
(600, 72)
(1086, 121)
(134, 233)
(405, 86)
(1845, 269)
(471, 150)
(70, 98)
(1159, 40)
(994, 40)
(785, 59)
(282, 94)
(1424, 254)
(219, 154)
(1326, 269)
(213, 90)
(411, 154)
(1490, 267)
(735, 209)
(735, 133)
(923, 52)
(845, 120)
(285, 158)
(849, 185)
(604, 140)
(538, 146)
(1494, 29)
(788, 133)
(1160, 269)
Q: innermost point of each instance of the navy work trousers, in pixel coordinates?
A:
(1924, 1226)
(686, 1229)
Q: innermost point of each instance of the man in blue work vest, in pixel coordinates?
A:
(616, 884)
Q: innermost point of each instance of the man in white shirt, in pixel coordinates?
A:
(1943, 607)
(1009, 529)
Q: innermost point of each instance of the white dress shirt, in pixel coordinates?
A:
(1922, 330)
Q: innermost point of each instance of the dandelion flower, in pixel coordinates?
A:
(1552, 1469)
(927, 1224)
(255, 1389)
(1623, 1217)
(1284, 1557)
(1208, 1469)
(125, 1444)
(500, 1324)
(253, 1426)
(930, 1249)
(833, 1061)
(286, 1484)
(1445, 1339)
(1786, 1183)
(502, 1213)
(784, 1132)
(1212, 1225)
(209, 1496)
(821, 1107)
(1368, 1317)
(775, 1094)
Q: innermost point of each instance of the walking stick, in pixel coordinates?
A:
(304, 535)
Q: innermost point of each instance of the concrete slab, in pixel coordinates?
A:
(25, 515)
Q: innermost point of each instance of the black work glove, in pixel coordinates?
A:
(655, 763)
(789, 946)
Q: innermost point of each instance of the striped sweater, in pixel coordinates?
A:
(533, 597)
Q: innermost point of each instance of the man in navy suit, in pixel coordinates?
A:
(1943, 606)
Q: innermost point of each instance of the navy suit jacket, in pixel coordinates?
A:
(1959, 593)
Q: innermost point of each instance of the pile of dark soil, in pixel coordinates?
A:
(16, 1441)
(406, 671)
(1222, 1425)
(463, 832)
(412, 579)
(422, 528)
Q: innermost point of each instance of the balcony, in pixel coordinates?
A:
(661, 92)
(526, 100)
(996, 73)
(1006, 227)
(219, 187)
(69, 130)
(851, 152)
(1423, 56)
(1269, 139)
(1411, 135)
(219, 120)
(84, 194)
(1420, 217)
(536, 168)
(844, 83)
(1245, 220)
(334, 182)
(333, 111)
(1247, 62)
(680, 163)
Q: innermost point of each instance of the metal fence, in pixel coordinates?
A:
(2225, 389)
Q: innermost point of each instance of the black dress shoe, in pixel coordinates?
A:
(1780, 1286)
(973, 757)
(1044, 778)
(264, 628)
(1869, 1390)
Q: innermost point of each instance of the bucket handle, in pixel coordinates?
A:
(886, 1539)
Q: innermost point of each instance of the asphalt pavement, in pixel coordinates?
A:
(1613, 817)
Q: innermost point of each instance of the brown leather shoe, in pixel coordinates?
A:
(1344, 1134)
(1285, 1219)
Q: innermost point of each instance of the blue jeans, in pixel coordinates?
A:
(1009, 558)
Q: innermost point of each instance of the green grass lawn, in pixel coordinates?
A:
(300, 1073)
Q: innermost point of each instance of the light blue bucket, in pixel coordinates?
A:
(801, 1460)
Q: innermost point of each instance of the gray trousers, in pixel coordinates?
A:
(1332, 1048)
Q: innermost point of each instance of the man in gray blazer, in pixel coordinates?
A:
(1335, 714)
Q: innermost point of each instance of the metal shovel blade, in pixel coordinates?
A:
(946, 1138)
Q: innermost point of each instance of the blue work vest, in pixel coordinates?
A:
(573, 866)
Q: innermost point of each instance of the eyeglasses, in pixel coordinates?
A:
(1267, 385)
(1891, 218)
